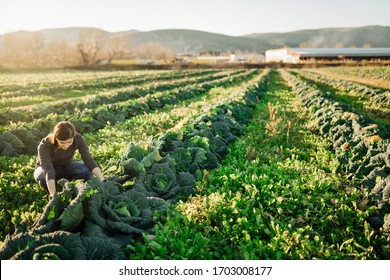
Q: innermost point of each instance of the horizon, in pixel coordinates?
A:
(184, 29)
(213, 16)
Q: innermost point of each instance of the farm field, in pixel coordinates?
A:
(202, 164)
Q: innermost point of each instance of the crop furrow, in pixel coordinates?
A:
(42, 93)
(70, 104)
(22, 139)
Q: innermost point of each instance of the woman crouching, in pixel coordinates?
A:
(55, 158)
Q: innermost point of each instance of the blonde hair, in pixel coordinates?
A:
(62, 131)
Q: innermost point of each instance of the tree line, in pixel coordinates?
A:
(93, 46)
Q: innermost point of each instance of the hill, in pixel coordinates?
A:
(182, 40)
(374, 36)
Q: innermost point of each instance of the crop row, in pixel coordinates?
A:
(285, 208)
(24, 139)
(31, 94)
(378, 96)
(70, 106)
(376, 73)
(23, 199)
(363, 154)
(29, 79)
(353, 101)
(93, 220)
(276, 195)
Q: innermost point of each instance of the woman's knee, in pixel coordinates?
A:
(40, 177)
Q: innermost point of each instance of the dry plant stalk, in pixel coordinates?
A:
(288, 129)
(373, 139)
(250, 153)
(204, 180)
(271, 126)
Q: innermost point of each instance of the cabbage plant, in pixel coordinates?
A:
(59, 245)
(115, 212)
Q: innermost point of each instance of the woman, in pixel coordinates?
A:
(55, 158)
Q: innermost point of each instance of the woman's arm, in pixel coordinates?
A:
(51, 186)
(87, 158)
(45, 150)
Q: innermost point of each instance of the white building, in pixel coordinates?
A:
(295, 55)
(247, 58)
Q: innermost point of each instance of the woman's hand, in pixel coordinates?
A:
(98, 173)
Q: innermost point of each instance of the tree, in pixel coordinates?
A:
(116, 46)
(59, 54)
(90, 45)
(35, 47)
(12, 49)
(22, 49)
(154, 51)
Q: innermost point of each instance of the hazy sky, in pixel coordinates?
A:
(221, 16)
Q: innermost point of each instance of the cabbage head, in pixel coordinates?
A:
(183, 159)
(129, 212)
(140, 150)
(161, 179)
(140, 153)
(166, 182)
(133, 167)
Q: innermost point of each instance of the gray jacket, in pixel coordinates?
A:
(50, 156)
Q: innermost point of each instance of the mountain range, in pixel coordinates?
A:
(194, 41)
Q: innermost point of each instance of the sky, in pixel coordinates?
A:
(227, 17)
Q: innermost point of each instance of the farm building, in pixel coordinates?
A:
(296, 55)
(247, 58)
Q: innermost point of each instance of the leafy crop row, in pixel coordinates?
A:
(31, 94)
(100, 213)
(363, 154)
(23, 199)
(279, 195)
(376, 73)
(276, 195)
(124, 93)
(378, 96)
(23, 139)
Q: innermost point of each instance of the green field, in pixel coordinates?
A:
(202, 164)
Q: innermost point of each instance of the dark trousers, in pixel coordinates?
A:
(73, 171)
